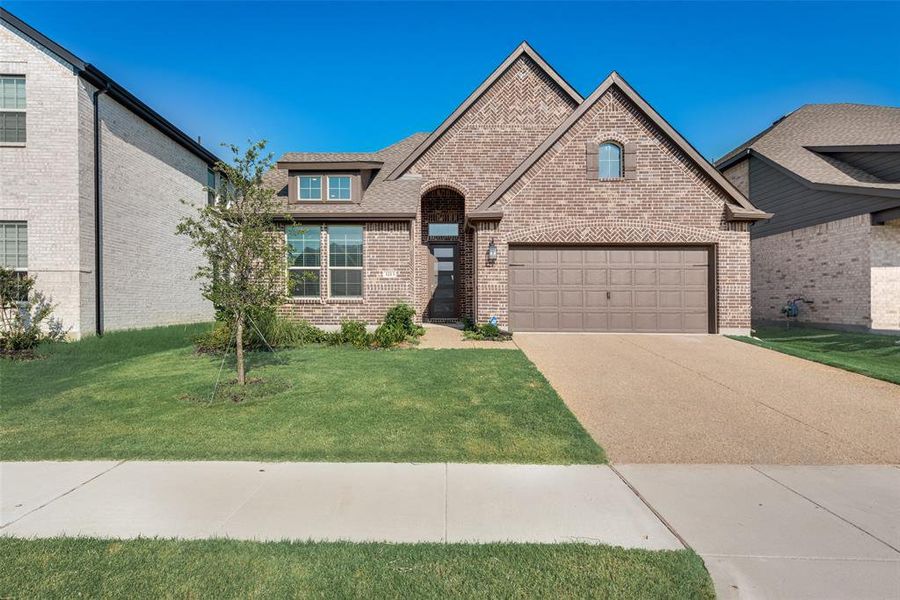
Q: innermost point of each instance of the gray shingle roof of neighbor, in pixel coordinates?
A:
(398, 198)
(799, 142)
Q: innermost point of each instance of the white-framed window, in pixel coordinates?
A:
(309, 187)
(345, 261)
(610, 160)
(304, 247)
(339, 187)
(443, 229)
(12, 110)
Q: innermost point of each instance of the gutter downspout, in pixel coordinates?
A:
(98, 217)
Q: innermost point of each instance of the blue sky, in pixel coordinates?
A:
(356, 77)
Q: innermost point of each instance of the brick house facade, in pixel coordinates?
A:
(516, 169)
(131, 271)
(830, 173)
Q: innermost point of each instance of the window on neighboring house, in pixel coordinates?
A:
(310, 187)
(12, 109)
(345, 260)
(211, 188)
(443, 229)
(610, 160)
(14, 247)
(304, 251)
(339, 187)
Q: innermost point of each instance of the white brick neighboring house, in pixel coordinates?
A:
(48, 200)
(830, 173)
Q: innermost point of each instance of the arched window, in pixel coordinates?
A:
(610, 160)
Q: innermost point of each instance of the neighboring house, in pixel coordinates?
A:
(830, 173)
(91, 181)
(529, 205)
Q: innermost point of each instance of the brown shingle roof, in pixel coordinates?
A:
(398, 198)
(797, 143)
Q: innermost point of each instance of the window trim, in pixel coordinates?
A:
(25, 225)
(23, 111)
(290, 268)
(321, 197)
(621, 148)
(349, 179)
(361, 268)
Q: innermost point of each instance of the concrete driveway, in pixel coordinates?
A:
(709, 399)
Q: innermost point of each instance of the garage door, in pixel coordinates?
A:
(655, 289)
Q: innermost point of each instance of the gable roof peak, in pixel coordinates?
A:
(523, 49)
(740, 202)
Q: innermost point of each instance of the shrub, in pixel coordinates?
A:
(262, 329)
(485, 331)
(353, 333)
(400, 316)
(26, 316)
(389, 335)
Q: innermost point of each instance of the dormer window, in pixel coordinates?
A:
(310, 187)
(338, 187)
(610, 161)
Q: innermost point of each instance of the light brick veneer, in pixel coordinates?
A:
(827, 263)
(49, 183)
(885, 276)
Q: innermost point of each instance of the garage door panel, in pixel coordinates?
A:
(546, 321)
(571, 321)
(595, 299)
(571, 277)
(696, 276)
(669, 277)
(620, 298)
(621, 277)
(546, 276)
(694, 299)
(645, 276)
(646, 299)
(571, 299)
(616, 289)
(546, 299)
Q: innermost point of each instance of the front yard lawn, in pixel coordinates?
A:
(866, 353)
(145, 395)
(90, 568)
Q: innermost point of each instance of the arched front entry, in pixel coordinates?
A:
(444, 248)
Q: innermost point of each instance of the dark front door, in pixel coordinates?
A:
(443, 282)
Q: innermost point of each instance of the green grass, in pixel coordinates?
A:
(870, 354)
(90, 568)
(145, 395)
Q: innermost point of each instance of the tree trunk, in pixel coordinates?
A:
(239, 347)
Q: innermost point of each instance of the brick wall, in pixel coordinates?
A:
(473, 156)
(387, 279)
(670, 201)
(148, 269)
(39, 183)
(885, 276)
(827, 263)
(739, 176)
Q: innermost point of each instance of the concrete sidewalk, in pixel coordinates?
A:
(784, 532)
(327, 501)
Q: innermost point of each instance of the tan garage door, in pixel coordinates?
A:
(625, 289)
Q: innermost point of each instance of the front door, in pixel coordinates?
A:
(443, 282)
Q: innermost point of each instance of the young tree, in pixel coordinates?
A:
(244, 261)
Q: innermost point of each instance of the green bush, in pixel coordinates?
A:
(484, 331)
(400, 316)
(352, 333)
(262, 329)
(26, 316)
(389, 335)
